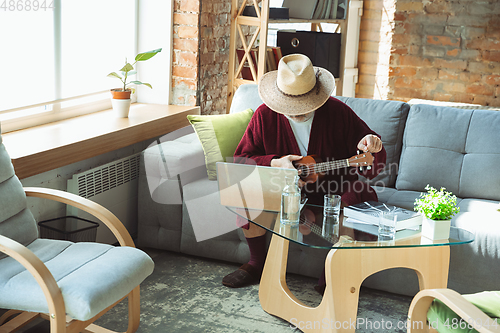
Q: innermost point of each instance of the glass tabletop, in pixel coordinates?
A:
(312, 232)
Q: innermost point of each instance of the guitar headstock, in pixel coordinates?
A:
(361, 160)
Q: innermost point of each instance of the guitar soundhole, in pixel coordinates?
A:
(304, 171)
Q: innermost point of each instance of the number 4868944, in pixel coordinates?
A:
(26, 5)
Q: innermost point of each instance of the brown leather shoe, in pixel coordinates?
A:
(242, 277)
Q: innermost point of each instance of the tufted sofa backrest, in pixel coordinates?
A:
(16, 221)
(452, 148)
(387, 119)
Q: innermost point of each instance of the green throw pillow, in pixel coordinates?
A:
(219, 136)
(445, 320)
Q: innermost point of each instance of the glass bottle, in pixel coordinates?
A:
(290, 201)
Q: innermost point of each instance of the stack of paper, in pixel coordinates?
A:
(368, 213)
(373, 229)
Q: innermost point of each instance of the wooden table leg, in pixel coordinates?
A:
(345, 271)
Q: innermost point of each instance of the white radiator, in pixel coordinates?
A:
(114, 186)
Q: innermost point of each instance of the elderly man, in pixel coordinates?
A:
(299, 118)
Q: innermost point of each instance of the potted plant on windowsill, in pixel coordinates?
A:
(437, 207)
(121, 96)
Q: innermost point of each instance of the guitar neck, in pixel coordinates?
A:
(315, 229)
(331, 165)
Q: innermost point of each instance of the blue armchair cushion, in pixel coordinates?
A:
(87, 274)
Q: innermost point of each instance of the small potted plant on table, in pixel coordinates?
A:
(121, 96)
(438, 207)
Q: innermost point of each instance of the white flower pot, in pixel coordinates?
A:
(121, 107)
(436, 229)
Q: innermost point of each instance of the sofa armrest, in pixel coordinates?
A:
(172, 161)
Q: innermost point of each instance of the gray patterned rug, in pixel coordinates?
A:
(185, 294)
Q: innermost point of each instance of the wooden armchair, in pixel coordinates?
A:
(458, 304)
(70, 284)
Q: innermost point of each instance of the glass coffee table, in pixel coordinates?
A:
(355, 248)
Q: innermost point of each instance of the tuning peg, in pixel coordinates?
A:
(360, 168)
(369, 167)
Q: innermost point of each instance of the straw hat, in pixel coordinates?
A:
(296, 87)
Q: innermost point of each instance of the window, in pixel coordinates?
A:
(56, 55)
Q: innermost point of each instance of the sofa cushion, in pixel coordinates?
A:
(473, 265)
(433, 148)
(219, 136)
(451, 148)
(246, 96)
(168, 160)
(480, 177)
(386, 118)
(208, 217)
(406, 199)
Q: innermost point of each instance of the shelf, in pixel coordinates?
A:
(42, 148)
(349, 28)
(292, 20)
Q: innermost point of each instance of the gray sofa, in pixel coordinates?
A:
(426, 144)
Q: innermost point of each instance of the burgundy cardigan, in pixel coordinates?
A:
(335, 133)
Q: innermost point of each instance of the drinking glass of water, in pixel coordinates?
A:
(387, 225)
(331, 209)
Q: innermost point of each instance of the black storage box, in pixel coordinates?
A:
(70, 228)
(323, 48)
(274, 12)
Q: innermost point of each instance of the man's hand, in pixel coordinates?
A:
(370, 143)
(286, 162)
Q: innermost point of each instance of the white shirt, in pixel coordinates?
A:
(302, 131)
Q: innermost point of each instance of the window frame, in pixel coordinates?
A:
(58, 109)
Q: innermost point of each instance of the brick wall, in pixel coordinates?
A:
(201, 49)
(186, 53)
(215, 28)
(446, 51)
(375, 38)
(431, 49)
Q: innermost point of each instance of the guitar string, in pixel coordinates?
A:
(315, 229)
(325, 166)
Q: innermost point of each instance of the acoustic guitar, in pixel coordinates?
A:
(311, 167)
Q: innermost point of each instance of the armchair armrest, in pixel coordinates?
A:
(43, 277)
(108, 218)
(470, 313)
